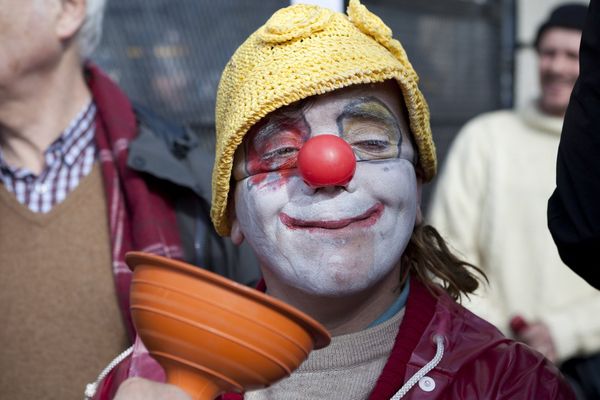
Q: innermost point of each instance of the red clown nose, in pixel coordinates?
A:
(326, 160)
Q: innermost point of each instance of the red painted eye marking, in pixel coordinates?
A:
(274, 179)
(277, 152)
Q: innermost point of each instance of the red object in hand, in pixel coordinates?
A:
(518, 324)
(326, 160)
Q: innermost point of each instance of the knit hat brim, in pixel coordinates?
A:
(300, 52)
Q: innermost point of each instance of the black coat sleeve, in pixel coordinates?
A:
(574, 207)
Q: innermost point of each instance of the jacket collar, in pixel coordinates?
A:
(171, 152)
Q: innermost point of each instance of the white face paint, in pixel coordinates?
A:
(331, 241)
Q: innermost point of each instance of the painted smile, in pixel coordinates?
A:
(365, 219)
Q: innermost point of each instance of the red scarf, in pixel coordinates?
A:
(140, 217)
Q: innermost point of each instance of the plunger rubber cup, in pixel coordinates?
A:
(326, 160)
(213, 335)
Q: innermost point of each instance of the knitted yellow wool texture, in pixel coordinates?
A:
(302, 51)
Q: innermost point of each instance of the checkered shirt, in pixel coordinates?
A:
(67, 161)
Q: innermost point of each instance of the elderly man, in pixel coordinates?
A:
(347, 245)
(490, 204)
(81, 182)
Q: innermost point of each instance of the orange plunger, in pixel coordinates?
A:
(213, 335)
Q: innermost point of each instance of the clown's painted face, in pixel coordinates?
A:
(330, 240)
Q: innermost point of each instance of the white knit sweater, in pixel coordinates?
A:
(490, 204)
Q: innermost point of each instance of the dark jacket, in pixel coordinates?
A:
(183, 162)
(574, 208)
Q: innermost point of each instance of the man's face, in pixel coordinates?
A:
(27, 38)
(558, 53)
(329, 241)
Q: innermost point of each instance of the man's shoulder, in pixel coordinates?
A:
(492, 121)
(484, 133)
(506, 113)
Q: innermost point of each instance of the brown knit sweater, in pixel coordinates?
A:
(59, 319)
(346, 369)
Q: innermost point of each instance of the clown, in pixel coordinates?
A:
(347, 245)
(332, 241)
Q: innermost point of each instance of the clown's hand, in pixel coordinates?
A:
(142, 389)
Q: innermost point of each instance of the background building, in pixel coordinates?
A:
(168, 55)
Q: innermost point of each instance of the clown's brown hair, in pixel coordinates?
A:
(428, 258)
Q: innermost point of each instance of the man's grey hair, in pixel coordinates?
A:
(90, 32)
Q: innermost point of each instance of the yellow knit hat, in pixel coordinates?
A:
(302, 51)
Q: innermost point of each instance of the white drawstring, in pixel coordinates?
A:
(90, 388)
(439, 353)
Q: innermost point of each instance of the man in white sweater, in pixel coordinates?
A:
(490, 204)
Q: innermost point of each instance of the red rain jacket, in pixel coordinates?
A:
(478, 361)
